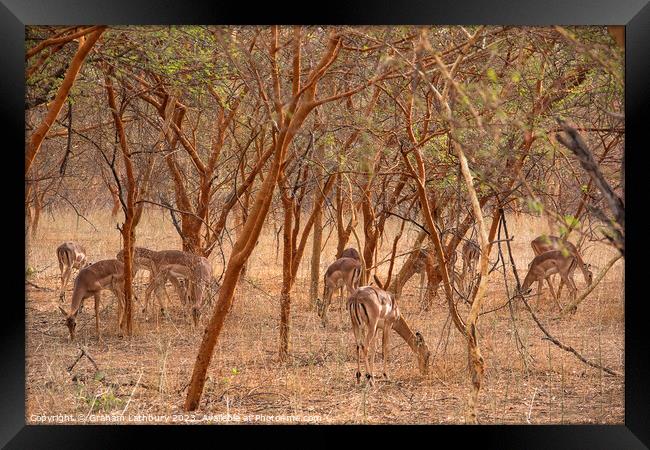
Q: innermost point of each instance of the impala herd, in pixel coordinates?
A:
(370, 307)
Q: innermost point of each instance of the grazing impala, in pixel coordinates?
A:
(178, 264)
(549, 263)
(70, 256)
(545, 243)
(105, 274)
(149, 260)
(342, 272)
(371, 308)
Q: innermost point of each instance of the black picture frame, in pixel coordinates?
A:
(634, 14)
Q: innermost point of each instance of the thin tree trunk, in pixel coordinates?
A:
(287, 281)
(476, 363)
(317, 240)
(128, 228)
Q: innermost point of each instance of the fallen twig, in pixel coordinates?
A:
(84, 353)
(39, 287)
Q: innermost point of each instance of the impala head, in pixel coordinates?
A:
(423, 353)
(70, 321)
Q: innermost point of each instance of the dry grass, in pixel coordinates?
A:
(148, 373)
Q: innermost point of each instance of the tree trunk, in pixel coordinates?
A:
(126, 323)
(242, 217)
(317, 238)
(128, 228)
(476, 363)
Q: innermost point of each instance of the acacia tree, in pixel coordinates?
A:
(131, 200)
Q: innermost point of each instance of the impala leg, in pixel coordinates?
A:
(160, 286)
(550, 286)
(562, 282)
(65, 277)
(161, 301)
(370, 351)
(357, 339)
(568, 280)
(147, 294)
(559, 289)
(180, 291)
(61, 292)
(385, 346)
(326, 303)
(358, 375)
(154, 287)
(97, 298)
(350, 290)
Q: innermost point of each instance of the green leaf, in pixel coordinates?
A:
(571, 221)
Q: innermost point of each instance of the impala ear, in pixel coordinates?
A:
(63, 311)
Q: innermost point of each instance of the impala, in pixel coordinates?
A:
(70, 256)
(549, 263)
(542, 244)
(371, 308)
(91, 280)
(342, 272)
(178, 264)
(150, 260)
